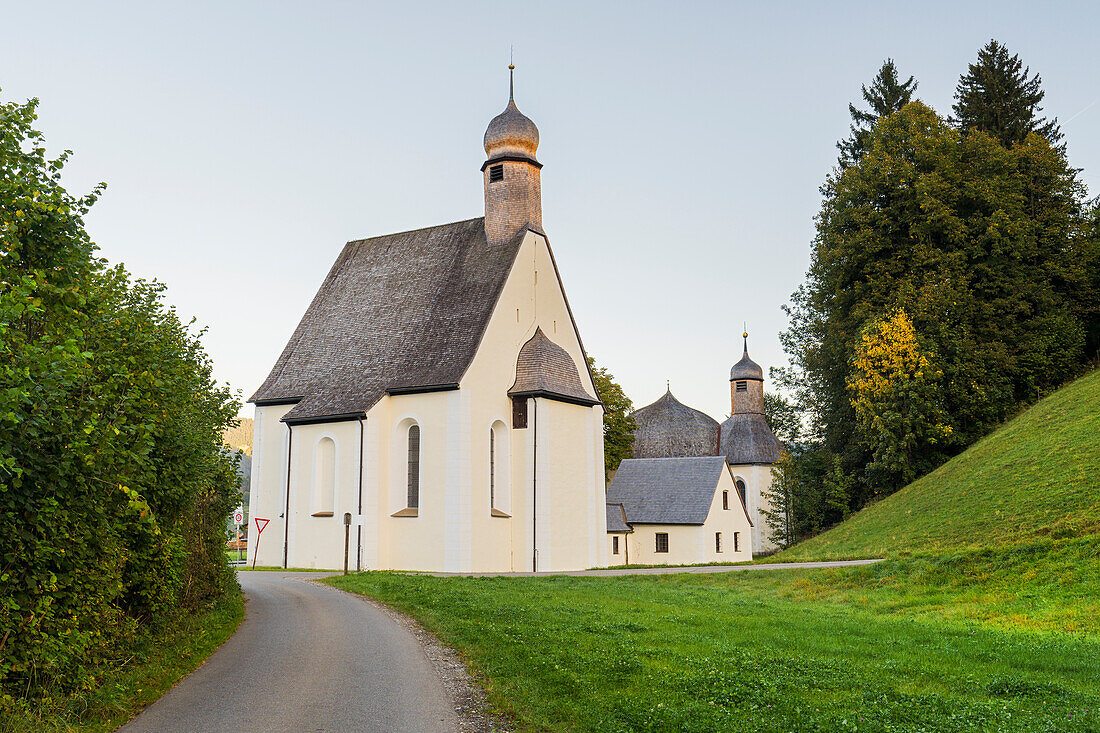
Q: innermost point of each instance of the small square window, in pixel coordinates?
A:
(496, 173)
(614, 545)
(662, 542)
(742, 386)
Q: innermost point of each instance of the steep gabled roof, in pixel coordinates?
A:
(401, 312)
(666, 490)
(668, 428)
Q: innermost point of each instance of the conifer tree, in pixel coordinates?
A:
(887, 94)
(994, 95)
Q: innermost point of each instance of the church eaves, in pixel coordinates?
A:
(397, 313)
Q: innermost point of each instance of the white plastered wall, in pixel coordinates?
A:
(691, 544)
(569, 522)
(758, 479)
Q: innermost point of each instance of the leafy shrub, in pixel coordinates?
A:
(114, 485)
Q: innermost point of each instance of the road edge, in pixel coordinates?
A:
(469, 700)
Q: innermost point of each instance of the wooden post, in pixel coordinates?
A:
(347, 539)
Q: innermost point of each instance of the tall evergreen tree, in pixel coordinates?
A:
(887, 94)
(984, 248)
(996, 96)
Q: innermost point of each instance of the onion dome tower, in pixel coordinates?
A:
(513, 186)
(669, 429)
(745, 435)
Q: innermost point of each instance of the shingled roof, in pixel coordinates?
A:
(747, 439)
(398, 313)
(666, 490)
(669, 429)
(616, 519)
(545, 369)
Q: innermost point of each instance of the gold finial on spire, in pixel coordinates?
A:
(511, 73)
(668, 385)
(745, 335)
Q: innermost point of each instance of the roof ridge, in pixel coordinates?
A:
(418, 229)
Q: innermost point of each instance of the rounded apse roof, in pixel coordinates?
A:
(669, 429)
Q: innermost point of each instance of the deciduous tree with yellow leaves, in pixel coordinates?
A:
(895, 390)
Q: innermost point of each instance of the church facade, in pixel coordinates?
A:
(436, 398)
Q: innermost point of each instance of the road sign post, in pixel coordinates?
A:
(238, 519)
(260, 524)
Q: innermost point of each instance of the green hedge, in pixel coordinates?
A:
(114, 485)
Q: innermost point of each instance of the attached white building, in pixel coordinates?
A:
(667, 428)
(676, 511)
(436, 394)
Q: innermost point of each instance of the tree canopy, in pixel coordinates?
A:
(980, 244)
(887, 95)
(618, 424)
(997, 95)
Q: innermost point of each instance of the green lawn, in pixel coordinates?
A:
(984, 617)
(1038, 476)
(155, 665)
(974, 641)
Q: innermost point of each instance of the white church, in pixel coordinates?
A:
(436, 398)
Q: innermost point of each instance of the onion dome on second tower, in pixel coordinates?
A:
(746, 438)
(670, 429)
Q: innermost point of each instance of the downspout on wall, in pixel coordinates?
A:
(359, 525)
(286, 506)
(535, 487)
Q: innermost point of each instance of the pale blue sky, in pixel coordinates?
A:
(244, 143)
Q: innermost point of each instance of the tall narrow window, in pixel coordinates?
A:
(615, 545)
(323, 493)
(737, 542)
(725, 500)
(414, 466)
(500, 466)
(741, 492)
(718, 541)
(662, 542)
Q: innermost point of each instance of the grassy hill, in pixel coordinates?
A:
(986, 616)
(1037, 477)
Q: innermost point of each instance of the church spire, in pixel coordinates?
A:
(746, 383)
(513, 187)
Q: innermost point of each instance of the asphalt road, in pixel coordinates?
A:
(307, 658)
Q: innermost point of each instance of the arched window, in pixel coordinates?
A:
(500, 492)
(492, 468)
(741, 491)
(323, 493)
(413, 483)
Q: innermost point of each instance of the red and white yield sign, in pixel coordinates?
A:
(260, 525)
